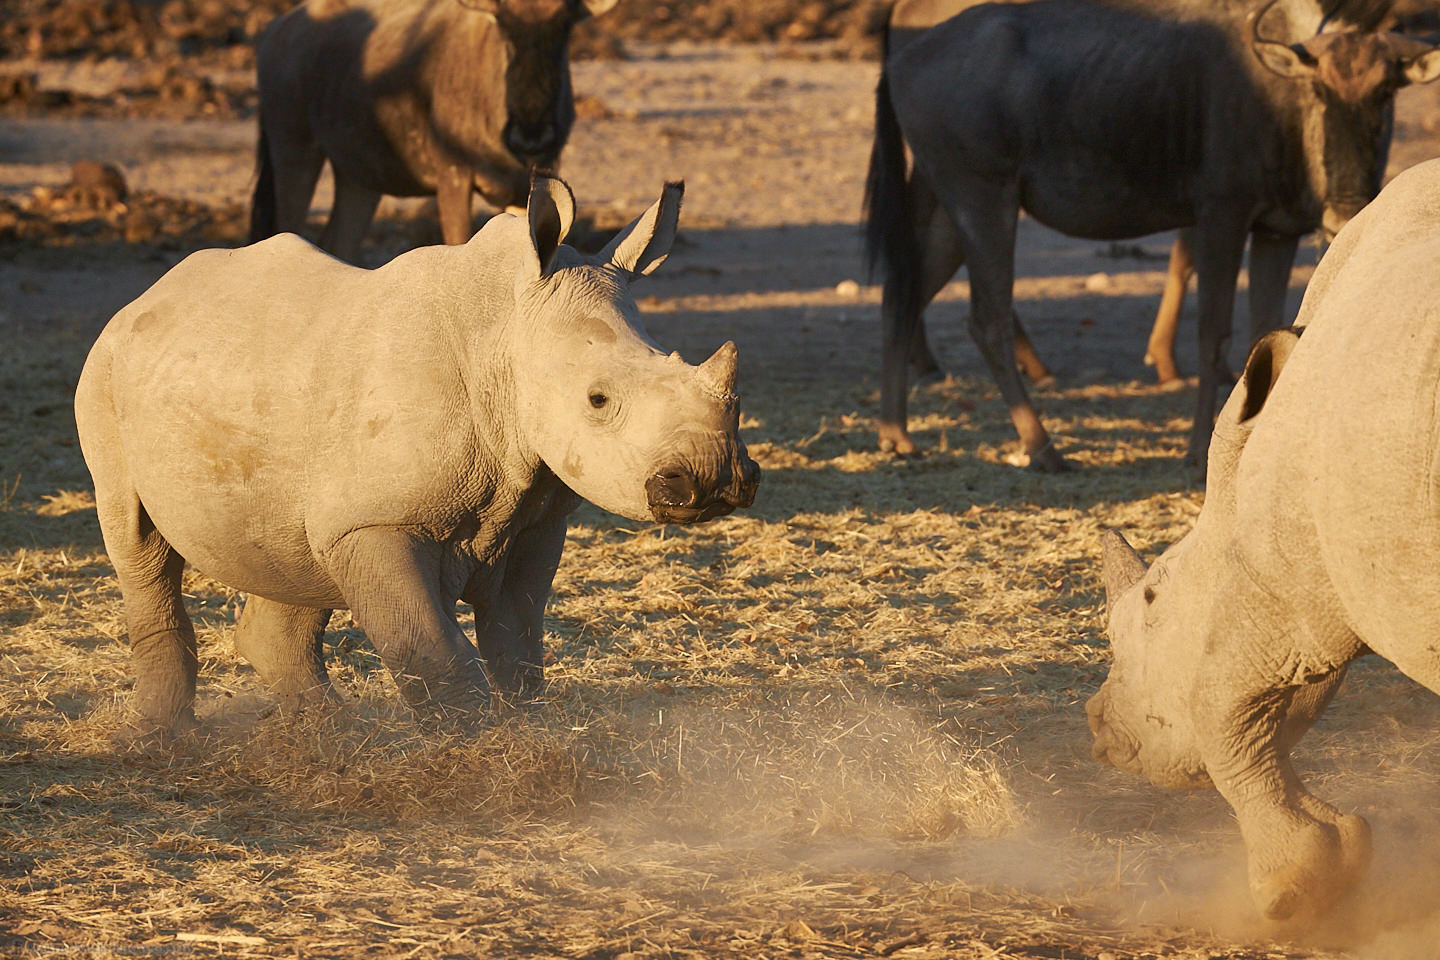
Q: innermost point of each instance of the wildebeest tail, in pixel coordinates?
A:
(889, 230)
(262, 203)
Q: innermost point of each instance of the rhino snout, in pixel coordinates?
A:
(1108, 748)
(676, 495)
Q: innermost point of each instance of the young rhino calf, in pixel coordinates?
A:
(1319, 541)
(323, 437)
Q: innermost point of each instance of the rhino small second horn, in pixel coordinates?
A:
(717, 375)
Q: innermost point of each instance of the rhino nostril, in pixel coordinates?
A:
(671, 488)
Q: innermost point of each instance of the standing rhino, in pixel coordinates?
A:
(1318, 543)
(324, 437)
(410, 98)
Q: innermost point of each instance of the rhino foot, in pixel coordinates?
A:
(1296, 877)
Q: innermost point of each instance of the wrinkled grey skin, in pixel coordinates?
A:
(1318, 542)
(1109, 121)
(410, 98)
(323, 437)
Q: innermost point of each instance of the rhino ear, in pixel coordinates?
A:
(645, 243)
(551, 211)
(1263, 367)
(1121, 567)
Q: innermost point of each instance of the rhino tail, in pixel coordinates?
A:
(262, 203)
(890, 242)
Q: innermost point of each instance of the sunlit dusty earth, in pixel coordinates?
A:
(844, 723)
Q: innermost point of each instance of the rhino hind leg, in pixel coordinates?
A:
(162, 638)
(285, 645)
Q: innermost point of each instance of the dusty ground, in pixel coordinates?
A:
(846, 723)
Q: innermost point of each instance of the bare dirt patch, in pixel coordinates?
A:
(846, 723)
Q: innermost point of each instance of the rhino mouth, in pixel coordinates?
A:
(676, 496)
(1113, 745)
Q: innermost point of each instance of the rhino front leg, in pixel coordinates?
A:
(510, 617)
(391, 581)
(285, 645)
(1302, 853)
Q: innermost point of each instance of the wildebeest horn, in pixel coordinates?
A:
(1120, 567)
(717, 375)
(1255, 19)
(1405, 47)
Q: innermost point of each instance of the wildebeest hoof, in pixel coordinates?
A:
(1045, 460)
(896, 440)
(931, 378)
(1044, 383)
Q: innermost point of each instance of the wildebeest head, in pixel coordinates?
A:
(539, 107)
(1353, 77)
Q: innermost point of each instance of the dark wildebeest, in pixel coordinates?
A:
(410, 98)
(908, 19)
(1112, 123)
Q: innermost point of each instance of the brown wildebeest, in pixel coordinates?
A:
(1112, 122)
(410, 98)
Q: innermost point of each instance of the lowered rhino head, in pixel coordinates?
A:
(1160, 618)
(628, 427)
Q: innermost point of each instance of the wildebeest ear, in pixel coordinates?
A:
(1120, 567)
(551, 211)
(1294, 63)
(645, 243)
(593, 8)
(1263, 368)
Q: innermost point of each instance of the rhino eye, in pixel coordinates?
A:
(598, 400)
(1149, 594)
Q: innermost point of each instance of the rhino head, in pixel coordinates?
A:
(625, 425)
(1159, 617)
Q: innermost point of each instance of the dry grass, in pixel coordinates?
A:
(845, 724)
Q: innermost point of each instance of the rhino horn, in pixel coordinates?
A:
(717, 375)
(1121, 567)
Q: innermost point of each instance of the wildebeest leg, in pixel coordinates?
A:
(1271, 258)
(297, 165)
(1219, 246)
(285, 644)
(391, 582)
(986, 216)
(940, 255)
(1026, 357)
(1160, 351)
(452, 198)
(349, 219)
(941, 243)
(1302, 852)
(510, 620)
